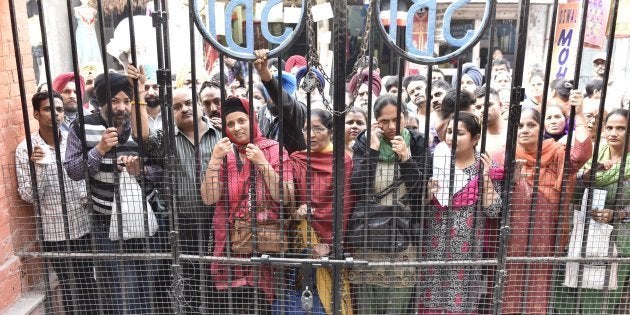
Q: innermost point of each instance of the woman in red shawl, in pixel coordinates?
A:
(234, 202)
(317, 187)
(547, 211)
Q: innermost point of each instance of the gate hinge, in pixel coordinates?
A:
(159, 17)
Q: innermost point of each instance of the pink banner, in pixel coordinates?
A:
(597, 20)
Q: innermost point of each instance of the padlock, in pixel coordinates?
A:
(309, 83)
(307, 301)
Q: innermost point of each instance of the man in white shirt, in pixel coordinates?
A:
(64, 226)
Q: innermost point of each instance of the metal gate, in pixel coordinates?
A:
(212, 215)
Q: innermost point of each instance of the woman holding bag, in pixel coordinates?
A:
(387, 180)
(316, 185)
(237, 207)
(615, 212)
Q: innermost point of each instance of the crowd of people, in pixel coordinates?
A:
(423, 181)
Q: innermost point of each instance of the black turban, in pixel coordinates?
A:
(236, 104)
(117, 83)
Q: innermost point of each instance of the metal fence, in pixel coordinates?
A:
(211, 215)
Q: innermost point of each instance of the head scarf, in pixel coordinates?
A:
(363, 77)
(472, 71)
(59, 83)
(294, 61)
(289, 84)
(237, 104)
(117, 83)
(301, 73)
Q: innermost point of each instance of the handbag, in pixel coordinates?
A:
(597, 245)
(380, 227)
(271, 237)
(131, 212)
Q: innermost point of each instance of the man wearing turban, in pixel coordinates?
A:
(358, 87)
(294, 111)
(111, 149)
(317, 96)
(65, 85)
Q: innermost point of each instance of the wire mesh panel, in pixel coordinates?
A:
(228, 157)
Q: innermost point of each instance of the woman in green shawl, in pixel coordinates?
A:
(615, 212)
(392, 161)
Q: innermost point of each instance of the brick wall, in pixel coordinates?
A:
(16, 223)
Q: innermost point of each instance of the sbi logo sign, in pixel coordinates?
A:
(208, 27)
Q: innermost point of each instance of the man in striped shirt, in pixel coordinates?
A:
(109, 144)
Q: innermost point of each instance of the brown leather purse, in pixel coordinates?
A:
(271, 237)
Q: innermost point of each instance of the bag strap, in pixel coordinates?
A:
(389, 189)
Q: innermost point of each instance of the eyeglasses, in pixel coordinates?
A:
(316, 130)
(591, 117)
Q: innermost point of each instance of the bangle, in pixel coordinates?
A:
(141, 103)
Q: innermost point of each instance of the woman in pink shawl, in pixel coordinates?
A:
(542, 224)
(235, 201)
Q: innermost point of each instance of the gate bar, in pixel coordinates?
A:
(510, 153)
(340, 25)
(567, 156)
(29, 145)
(622, 166)
(224, 179)
(199, 224)
(147, 240)
(57, 142)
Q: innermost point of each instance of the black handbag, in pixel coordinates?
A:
(383, 228)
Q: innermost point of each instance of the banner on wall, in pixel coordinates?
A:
(566, 40)
(596, 23)
(623, 20)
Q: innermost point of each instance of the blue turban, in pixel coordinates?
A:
(302, 72)
(472, 71)
(289, 83)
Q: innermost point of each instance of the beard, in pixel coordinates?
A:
(119, 119)
(152, 102)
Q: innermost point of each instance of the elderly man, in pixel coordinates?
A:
(65, 85)
(75, 273)
(110, 147)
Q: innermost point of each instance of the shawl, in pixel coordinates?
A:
(385, 151)
(234, 203)
(611, 176)
(464, 190)
(321, 184)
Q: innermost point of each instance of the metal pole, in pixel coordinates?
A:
(510, 152)
(340, 25)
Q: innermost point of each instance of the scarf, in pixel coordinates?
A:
(321, 184)
(461, 182)
(608, 177)
(386, 153)
(243, 106)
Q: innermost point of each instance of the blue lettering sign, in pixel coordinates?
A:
(446, 25)
(417, 6)
(425, 55)
(208, 28)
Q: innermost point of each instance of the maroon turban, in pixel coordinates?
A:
(61, 80)
(363, 77)
(294, 61)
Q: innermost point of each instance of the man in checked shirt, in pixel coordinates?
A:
(69, 233)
